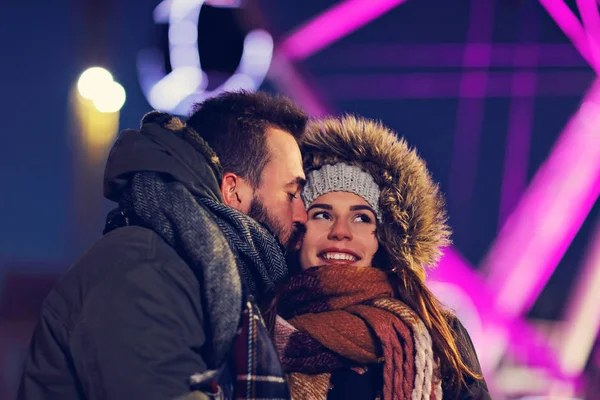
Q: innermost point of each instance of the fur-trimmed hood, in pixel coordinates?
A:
(413, 228)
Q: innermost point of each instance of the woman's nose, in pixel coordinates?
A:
(340, 231)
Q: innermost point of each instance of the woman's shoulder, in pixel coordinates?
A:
(475, 389)
(463, 342)
(454, 321)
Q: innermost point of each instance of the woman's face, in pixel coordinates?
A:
(340, 231)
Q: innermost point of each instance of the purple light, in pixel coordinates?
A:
(520, 120)
(471, 107)
(570, 25)
(521, 113)
(537, 234)
(517, 55)
(516, 159)
(588, 9)
(441, 85)
(333, 24)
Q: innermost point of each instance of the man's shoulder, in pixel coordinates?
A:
(128, 254)
(125, 249)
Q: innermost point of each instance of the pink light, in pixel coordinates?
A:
(453, 268)
(289, 81)
(570, 25)
(582, 321)
(499, 331)
(537, 234)
(588, 9)
(333, 24)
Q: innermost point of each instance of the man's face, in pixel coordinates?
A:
(276, 202)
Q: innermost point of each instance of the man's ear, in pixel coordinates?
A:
(236, 192)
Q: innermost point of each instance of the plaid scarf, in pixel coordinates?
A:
(203, 232)
(258, 371)
(337, 316)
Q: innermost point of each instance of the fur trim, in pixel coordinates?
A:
(413, 228)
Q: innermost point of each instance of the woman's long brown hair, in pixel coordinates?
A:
(437, 318)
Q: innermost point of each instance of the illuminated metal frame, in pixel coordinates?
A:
(186, 84)
(504, 324)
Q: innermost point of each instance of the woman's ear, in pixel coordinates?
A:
(236, 192)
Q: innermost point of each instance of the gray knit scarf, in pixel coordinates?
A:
(213, 239)
(260, 256)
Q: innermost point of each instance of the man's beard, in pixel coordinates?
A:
(289, 239)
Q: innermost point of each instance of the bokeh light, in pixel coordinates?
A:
(98, 85)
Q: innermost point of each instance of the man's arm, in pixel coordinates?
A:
(140, 335)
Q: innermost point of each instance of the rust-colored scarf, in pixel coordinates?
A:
(337, 316)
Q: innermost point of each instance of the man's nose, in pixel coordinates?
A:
(299, 215)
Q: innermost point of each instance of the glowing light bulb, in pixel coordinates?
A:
(97, 85)
(92, 80)
(110, 99)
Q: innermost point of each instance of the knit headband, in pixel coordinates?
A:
(341, 178)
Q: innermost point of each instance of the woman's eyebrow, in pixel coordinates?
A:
(320, 205)
(362, 207)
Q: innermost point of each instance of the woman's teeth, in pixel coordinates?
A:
(339, 256)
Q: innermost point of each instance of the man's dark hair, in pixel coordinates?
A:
(234, 124)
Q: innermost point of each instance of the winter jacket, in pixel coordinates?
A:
(127, 320)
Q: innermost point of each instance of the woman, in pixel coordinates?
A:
(357, 321)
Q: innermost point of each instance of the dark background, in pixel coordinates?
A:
(45, 45)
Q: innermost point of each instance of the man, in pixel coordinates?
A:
(165, 302)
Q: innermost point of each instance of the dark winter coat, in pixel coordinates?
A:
(128, 320)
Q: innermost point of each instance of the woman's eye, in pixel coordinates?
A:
(363, 218)
(293, 196)
(321, 215)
